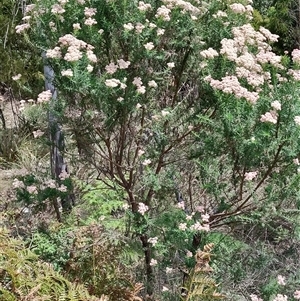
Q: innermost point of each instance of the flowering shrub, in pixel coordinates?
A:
(184, 107)
(38, 191)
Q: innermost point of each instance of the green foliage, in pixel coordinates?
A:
(24, 277)
(52, 245)
(34, 193)
(88, 255)
(280, 18)
(254, 250)
(17, 55)
(34, 118)
(104, 203)
(189, 121)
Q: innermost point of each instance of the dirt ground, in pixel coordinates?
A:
(6, 179)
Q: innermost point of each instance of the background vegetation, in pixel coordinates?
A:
(160, 161)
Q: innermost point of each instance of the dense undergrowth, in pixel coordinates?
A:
(162, 160)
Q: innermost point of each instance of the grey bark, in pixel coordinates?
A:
(58, 164)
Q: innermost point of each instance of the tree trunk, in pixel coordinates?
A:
(149, 270)
(2, 119)
(58, 164)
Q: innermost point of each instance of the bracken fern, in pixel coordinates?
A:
(200, 286)
(23, 277)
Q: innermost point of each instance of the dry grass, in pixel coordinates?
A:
(7, 171)
(8, 109)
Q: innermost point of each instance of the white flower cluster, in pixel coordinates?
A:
(91, 56)
(123, 64)
(90, 68)
(63, 175)
(297, 120)
(269, 117)
(44, 96)
(22, 27)
(146, 162)
(63, 2)
(295, 74)
(296, 56)
(276, 105)
(70, 40)
(90, 21)
(249, 65)
(52, 26)
(57, 9)
(272, 115)
(160, 31)
(22, 105)
(198, 227)
(153, 262)
(29, 8)
(74, 49)
(142, 209)
(149, 46)
(111, 68)
(231, 85)
(152, 84)
(171, 65)
(17, 77)
(113, 83)
(32, 189)
(280, 297)
(76, 26)
(153, 241)
(185, 6)
(139, 27)
(164, 13)
(73, 54)
(220, 14)
(209, 53)
(128, 26)
(68, 73)
(237, 8)
(137, 81)
(89, 13)
(249, 176)
(144, 6)
(182, 226)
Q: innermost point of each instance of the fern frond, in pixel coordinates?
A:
(24, 277)
(62, 297)
(104, 298)
(200, 286)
